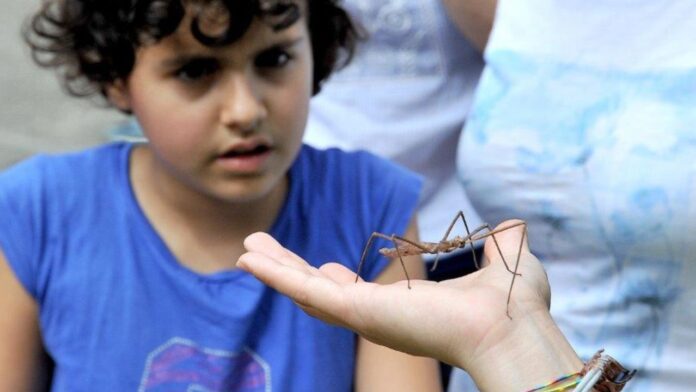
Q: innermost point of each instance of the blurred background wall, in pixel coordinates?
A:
(35, 114)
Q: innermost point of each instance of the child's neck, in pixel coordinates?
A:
(204, 234)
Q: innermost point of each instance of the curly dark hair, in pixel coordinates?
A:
(92, 43)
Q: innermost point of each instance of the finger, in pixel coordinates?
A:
(317, 294)
(265, 244)
(288, 279)
(506, 242)
(324, 316)
(338, 273)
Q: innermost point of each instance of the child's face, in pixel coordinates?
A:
(226, 121)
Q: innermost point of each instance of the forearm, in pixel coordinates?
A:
(473, 18)
(532, 352)
(379, 368)
(22, 359)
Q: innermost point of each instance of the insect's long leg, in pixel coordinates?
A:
(460, 214)
(469, 239)
(393, 238)
(472, 237)
(364, 253)
(514, 274)
(492, 234)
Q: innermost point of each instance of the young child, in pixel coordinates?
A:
(117, 264)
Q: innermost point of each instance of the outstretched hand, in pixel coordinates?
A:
(457, 321)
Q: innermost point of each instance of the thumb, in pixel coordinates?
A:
(506, 242)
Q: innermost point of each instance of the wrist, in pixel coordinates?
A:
(522, 353)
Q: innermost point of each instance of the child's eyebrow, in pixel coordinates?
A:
(181, 59)
(283, 43)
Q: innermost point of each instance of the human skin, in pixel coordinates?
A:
(473, 18)
(197, 105)
(462, 321)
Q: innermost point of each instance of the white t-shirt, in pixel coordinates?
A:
(584, 124)
(405, 96)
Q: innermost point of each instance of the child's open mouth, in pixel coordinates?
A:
(258, 150)
(248, 158)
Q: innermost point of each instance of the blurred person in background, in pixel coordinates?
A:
(406, 96)
(588, 109)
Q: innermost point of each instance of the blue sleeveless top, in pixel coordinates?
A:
(118, 312)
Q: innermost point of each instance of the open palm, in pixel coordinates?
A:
(458, 321)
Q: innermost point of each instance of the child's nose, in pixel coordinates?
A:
(242, 106)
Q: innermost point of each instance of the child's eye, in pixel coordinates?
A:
(273, 58)
(197, 69)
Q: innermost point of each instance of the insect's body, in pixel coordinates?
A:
(432, 248)
(405, 247)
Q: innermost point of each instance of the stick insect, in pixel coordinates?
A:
(405, 247)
